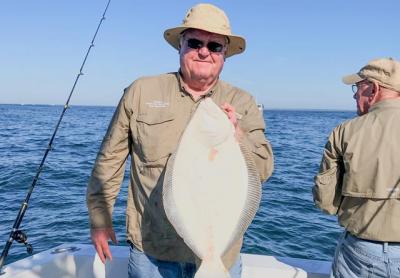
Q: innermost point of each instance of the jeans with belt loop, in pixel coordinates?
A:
(360, 258)
(141, 265)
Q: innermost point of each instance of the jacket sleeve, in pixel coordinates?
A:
(327, 190)
(108, 171)
(253, 126)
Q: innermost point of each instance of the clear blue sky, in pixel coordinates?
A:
(297, 51)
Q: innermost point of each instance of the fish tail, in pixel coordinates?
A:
(212, 269)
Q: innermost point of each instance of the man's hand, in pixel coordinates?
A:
(233, 117)
(100, 239)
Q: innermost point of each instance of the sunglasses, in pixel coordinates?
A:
(211, 46)
(356, 86)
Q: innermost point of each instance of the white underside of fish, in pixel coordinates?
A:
(211, 189)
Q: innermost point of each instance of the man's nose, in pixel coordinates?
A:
(203, 51)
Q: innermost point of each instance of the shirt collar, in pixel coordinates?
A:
(387, 103)
(185, 93)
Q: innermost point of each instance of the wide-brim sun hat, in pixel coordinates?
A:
(385, 71)
(208, 18)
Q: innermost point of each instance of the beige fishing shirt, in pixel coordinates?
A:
(147, 125)
(359, 177)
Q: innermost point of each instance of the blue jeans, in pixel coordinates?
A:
(361, 258)
(141, 265)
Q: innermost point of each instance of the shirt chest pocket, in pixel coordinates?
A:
(156, 135)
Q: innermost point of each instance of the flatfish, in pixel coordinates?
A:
(211, 188)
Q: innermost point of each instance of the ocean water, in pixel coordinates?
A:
(287, 223)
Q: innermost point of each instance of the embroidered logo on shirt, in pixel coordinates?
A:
(157, 104)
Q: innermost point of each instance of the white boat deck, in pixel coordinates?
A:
(84, 263)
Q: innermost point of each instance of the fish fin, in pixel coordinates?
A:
(212, 269)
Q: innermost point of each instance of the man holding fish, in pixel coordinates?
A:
(148, 125)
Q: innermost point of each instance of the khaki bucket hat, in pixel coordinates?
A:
(385, 71)
(208, 18)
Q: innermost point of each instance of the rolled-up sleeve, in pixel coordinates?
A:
(328, 182)
(253, 126)
(109, 167)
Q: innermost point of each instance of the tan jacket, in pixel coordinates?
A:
(147, 125)
(359, 177)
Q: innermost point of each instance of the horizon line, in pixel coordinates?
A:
(265, 108)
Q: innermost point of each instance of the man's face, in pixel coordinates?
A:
(362, 96)
(202, 56)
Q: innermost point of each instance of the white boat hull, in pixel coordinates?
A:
(84, 263)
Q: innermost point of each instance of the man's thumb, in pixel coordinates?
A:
(113, 237)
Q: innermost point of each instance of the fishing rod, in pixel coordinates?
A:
(17, 234)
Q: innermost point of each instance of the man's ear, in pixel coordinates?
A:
(373, 96)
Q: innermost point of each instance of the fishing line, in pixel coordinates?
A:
(19, 235)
